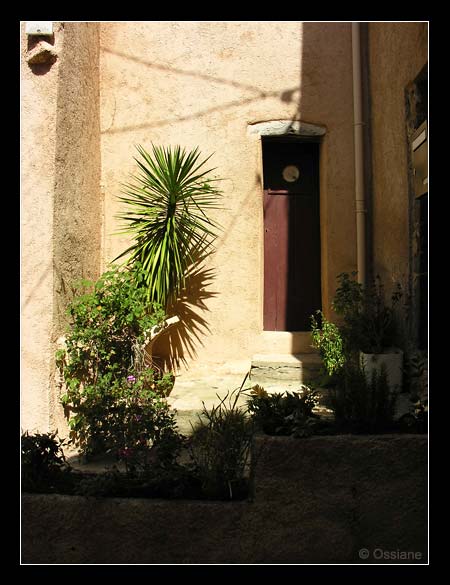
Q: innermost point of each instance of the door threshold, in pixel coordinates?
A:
(285, 342)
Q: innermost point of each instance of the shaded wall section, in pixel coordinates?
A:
(77, 210)
(77, 207)
(327, 99)
(397, 53)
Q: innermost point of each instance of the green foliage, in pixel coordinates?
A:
(369, 323)
(176, 481)
(287, 413)
(44, 467)
(415, 421)
(109, 483)
(113, 401)
(414, 370)
(361, 405)
(328, 340)
(166, 215)
(110, 319)
(141, 429)
(220, 446)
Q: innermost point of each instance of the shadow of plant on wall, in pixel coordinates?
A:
(181, 340)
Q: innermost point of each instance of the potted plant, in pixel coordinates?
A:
(369, 326)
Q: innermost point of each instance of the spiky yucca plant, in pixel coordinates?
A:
(167, 205)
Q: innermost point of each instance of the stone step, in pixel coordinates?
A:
(270, 369)
(277, 373)
(284, 342)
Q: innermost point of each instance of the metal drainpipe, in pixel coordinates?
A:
(359, 161)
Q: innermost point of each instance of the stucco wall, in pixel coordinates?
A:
(397, 53)
(202, 84)
(77, 205)
(38, 137)
(61, 206)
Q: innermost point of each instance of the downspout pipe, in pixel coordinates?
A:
(360, 200)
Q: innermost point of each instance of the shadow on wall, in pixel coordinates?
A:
(286, 95)
(179, 343)
(327, 100)
(172, 350)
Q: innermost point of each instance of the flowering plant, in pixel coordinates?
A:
(105, 377)
(141, 426)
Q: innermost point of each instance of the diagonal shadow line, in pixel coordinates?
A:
(169, 68)
(36, 286)
(238, 214)
(232, 104)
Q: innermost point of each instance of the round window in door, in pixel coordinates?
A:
(291, 173)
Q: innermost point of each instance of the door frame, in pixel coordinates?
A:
(299, 139)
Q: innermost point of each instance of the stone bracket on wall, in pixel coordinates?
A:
(285, 127)
(43, 46)
(43, 52)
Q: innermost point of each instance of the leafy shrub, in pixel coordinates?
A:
(414, 375)
(220, 446)
(327, 338)
(167, 207)
(288, 413)
(141, 429)
(177, 481)
(361, 405)
(415, 421)
(113, 400)
(44, 466)
(369, 323)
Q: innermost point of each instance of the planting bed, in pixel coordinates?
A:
(331, 499)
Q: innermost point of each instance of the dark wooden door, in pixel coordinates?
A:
(292, 289)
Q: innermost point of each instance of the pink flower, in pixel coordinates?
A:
(131, 379)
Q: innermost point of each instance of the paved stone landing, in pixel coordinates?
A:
(274, 372)
(206, 386)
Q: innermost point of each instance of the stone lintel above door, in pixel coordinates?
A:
(285, 127)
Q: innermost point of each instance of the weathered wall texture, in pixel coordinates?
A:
(77, 216)
(78, 209)
(327, 98)
(38, 137)
(61, 206)
(342, 499)
(202, 84)
(397, 53)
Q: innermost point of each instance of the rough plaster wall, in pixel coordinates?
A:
(77, 207)
(203, 88)
(38, 135)
(61, 207)
(397, 53)
(327, 97)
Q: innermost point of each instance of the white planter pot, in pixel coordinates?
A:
(392, 359)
